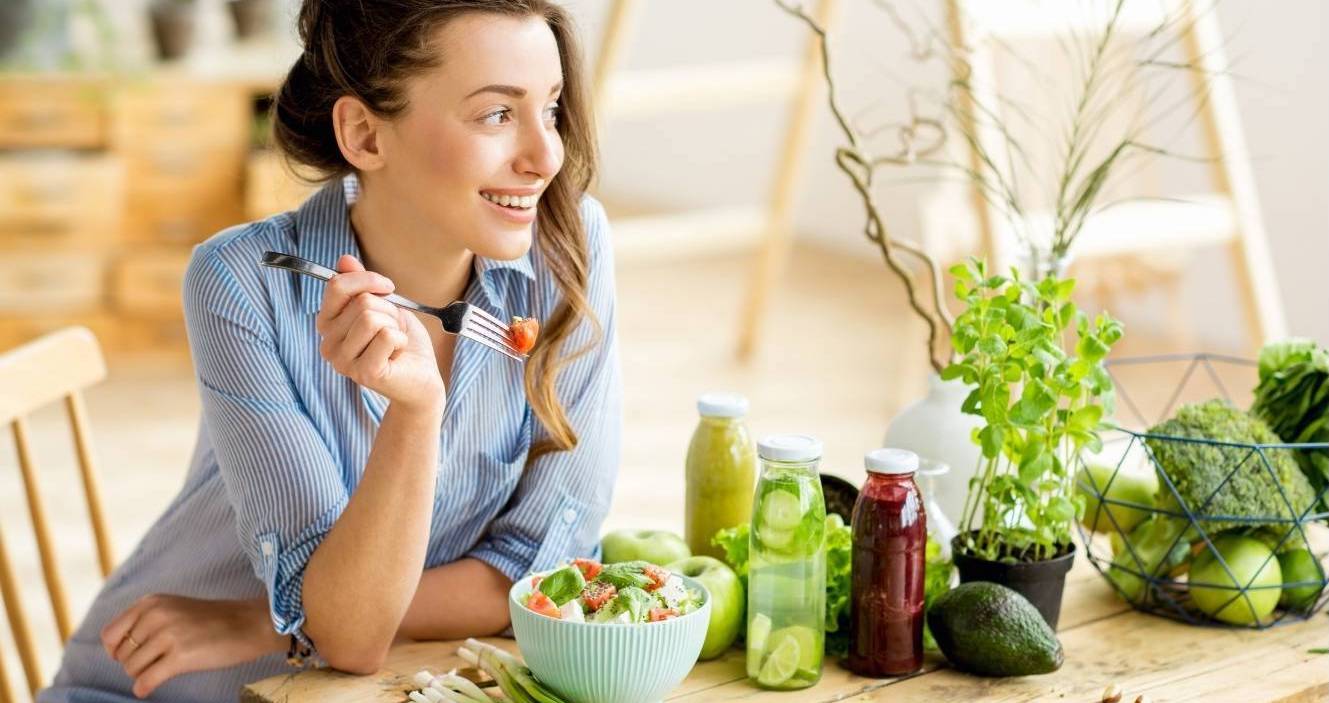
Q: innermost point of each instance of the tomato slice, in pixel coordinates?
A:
(660, 614)
(524, 331)
(597, 593)
(542, 604)
(590, 568)
(657, 576)
(535, 581)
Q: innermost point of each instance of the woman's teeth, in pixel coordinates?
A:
(512, 201)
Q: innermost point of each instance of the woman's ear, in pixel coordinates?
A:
(358, 133)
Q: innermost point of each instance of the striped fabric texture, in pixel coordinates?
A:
(284, 438)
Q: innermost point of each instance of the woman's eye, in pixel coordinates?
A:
(497, 117)
(551, 113)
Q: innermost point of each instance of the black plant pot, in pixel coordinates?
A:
(1040, 582)
(15, 16)
(172, 28)
(252, 17)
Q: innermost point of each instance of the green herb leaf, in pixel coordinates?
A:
(563, 585)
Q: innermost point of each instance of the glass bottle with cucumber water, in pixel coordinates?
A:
(787, 566)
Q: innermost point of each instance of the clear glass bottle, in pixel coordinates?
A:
(890, 548)
(787, 566)
(721, 468)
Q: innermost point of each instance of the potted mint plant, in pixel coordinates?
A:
(1034, 365)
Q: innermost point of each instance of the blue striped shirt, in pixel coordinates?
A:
(284, 439)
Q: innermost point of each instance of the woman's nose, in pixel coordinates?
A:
(541, 151)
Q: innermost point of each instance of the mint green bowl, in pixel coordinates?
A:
(600, 663)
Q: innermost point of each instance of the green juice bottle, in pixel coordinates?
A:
(721, 468)
(787, 566)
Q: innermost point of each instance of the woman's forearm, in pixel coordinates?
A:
(362, 578)
(466, 598)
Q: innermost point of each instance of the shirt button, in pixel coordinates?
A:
(569, 516)
(267, 549)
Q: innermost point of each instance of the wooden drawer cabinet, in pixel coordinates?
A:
(150, 283)
(55, 199)
(202, 114)
(180, 219)
(270, 187)
(51, 111)
(34, 283)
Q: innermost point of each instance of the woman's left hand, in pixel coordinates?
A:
(163, 636)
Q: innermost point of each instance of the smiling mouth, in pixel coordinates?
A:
(514, 202)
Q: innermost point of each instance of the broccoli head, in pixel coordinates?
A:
(1200, 470)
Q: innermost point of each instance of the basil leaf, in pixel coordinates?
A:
(563, 585)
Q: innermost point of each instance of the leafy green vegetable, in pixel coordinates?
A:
(563, 585)
(1293, 399)
(625, 574)
(936, 581)
(839, 584)
(734, 542)
(635, 602)
(1226, 480)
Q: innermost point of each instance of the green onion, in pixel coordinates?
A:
(514, 679)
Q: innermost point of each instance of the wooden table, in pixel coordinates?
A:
(1105, 641)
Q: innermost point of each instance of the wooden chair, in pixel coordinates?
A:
(53, 368)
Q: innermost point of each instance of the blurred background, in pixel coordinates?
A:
(131, 130)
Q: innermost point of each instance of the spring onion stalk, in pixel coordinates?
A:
(510, 672)
(446, 688)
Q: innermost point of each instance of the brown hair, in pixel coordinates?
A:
(367, 50)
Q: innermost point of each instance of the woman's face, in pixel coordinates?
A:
(478, 142)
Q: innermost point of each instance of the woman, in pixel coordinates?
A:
(360, 476)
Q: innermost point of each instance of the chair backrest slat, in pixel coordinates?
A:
(50, 369)
(41, 529)
(92, 492)
(18, 621)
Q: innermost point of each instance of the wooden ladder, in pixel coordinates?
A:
(1228, 216)
(767, 226)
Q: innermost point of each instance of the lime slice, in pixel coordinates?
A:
(806, 638)
(781, 510)
(780, 666)
(759, 630)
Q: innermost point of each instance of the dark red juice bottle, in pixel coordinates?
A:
(890, 544)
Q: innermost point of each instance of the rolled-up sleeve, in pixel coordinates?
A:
(562, 497)
(280, 477)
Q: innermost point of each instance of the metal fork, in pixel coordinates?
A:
(459, 317)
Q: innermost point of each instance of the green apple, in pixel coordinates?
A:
(1253, 567)
(1300, 566)
(728, 601)
(658, 547)
(1126, 486)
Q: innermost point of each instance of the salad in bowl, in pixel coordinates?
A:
(624, 593)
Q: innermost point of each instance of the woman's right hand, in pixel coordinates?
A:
(375, 343)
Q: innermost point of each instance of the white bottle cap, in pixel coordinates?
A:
(790, 447)
(891, 461)
(722, 405)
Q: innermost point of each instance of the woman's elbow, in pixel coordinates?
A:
(358, 659)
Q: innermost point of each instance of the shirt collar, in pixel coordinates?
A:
(323, 234)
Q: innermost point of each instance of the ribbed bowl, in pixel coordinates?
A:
(598, 663)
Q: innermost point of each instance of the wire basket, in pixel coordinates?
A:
(1159, 554)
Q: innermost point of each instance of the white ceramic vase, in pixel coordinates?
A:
(936, 429)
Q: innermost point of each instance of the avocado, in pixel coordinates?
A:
(988, 629)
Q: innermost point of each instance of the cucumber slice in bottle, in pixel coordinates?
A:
(781, 510)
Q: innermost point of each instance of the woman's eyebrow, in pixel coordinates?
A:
(510, 90)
